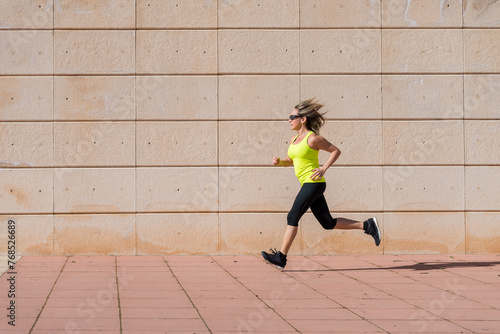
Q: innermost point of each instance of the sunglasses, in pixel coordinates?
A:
(292, 117)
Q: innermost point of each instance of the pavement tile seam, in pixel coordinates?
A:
(187, 295)
(262, 311)
(315, 264)
(48, 296)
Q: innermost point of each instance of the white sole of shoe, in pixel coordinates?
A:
(378, 230)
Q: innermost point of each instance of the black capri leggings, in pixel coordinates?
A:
(311, 196)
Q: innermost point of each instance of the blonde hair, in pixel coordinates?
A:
(310, 109)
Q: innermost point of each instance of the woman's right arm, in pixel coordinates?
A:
(283, 162)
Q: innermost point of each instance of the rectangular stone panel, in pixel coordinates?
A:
(94, 51)
(421, 13)
(178, 189)
(95, 190)
(176, 97)
(257, 188)
(94, 98)
(314, 240)
(481, 188)
(482, 142)
(480, 13)
(422, 50)
(259, 14)
(253, 143)
(256, 97)
(177, 234)
(482, 96)
(356, 189)
(423, 143)
(94, 144)
(482, 47)
(340, 51)
(422, 96)
(26, 14)
(339, 14)
(161, 14)
(348, 189)
(345, 96)
(177, 51)
(83, 14)
(26, 98)
(33, 234)
(409, 188)
(176, 143)
(26, 52)
(360, 142)
(94, 235)
(26, 144)
(258, 51)
(483, 232)
(424, 233)
(26, 190)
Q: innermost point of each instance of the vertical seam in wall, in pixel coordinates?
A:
(53, 124)
(135, 131)
(464, 139)
(300, 62)
(217, 137)
(382, 122)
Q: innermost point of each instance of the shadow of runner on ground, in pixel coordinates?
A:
(420, 266)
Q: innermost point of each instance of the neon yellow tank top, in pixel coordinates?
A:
(305, 159)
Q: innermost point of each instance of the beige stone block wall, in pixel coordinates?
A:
(26, 144)
(164, 14)
(481, 98)
(26, 98)
(340, 51)
(25, 52)
(163, 189)
(177, 233)
(416, 96)
(94, 51)
(152, 125)
(94, 98)
(482, 232)
(176, 51)
(94, 144)
(94, 234)
(26, 190)
(422, 50)
(82, 14)
(176, 97)
(94, 190)
(346, 96)
(424, 233)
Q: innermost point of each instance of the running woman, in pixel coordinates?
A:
(303, 155)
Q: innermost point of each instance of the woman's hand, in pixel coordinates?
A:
(276, 161)
(318, 174)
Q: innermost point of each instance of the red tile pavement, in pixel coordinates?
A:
(233, 294)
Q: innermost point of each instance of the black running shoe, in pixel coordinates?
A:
(276, 258)
(373, 230)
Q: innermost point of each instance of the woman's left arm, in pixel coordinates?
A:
(320, 143)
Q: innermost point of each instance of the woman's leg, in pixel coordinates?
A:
(320, 210)
(308, 193)
(290, 234)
